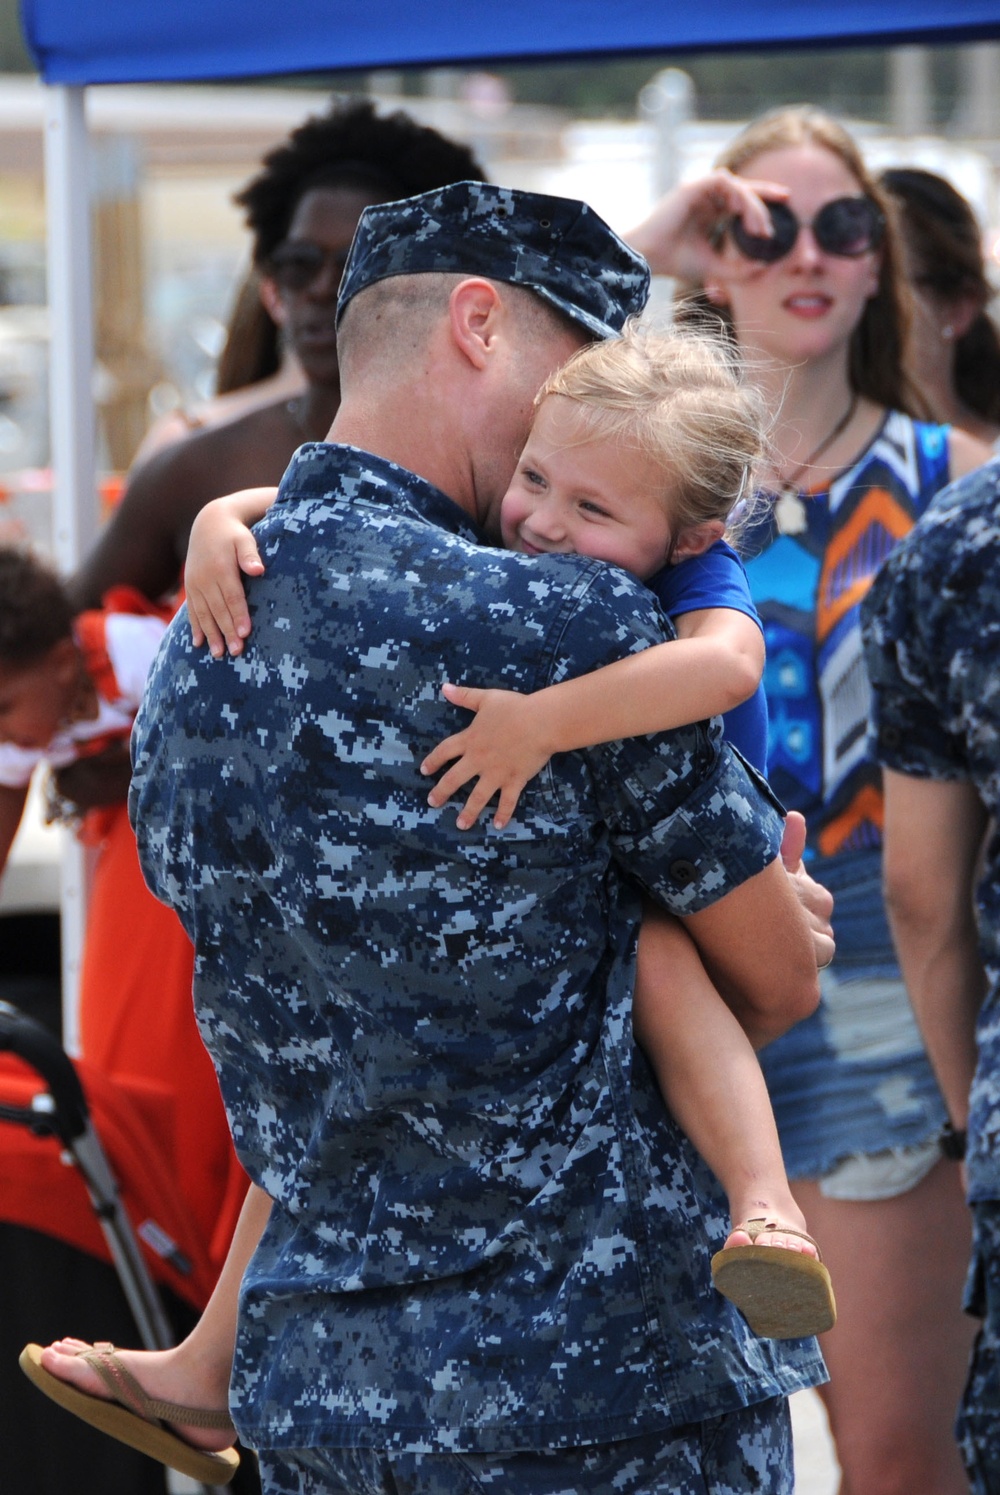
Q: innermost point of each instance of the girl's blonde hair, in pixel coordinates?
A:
(878, 343)
(682, 400)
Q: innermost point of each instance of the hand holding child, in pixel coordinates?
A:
(502, 748)
(816, 900)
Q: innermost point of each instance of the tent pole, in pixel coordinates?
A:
(74, 505)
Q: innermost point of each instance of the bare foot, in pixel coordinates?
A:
(164, 1375)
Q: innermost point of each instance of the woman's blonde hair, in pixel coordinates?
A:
(878, 342)
(682, 400)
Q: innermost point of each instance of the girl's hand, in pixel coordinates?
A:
(682, 235)
(220, 548)
(503, 747)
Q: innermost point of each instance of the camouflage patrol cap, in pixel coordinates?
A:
(554, 246)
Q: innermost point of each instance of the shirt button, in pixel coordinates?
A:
(683, 872)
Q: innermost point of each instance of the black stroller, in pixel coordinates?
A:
(51, 1286)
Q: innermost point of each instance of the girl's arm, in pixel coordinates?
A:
(714, 665)
(221, 546)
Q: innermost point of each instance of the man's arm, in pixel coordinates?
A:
(757, 947)
(933, 833)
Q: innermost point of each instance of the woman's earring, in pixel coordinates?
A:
(947, 332)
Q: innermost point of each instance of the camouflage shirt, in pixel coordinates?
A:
(932, 624)
(486, 1233)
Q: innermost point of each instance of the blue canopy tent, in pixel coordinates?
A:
(128, 41)
(119, 41)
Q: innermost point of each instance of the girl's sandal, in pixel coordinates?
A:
(782, 1294)
(133, 1417)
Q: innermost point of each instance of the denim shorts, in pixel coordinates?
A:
(853, 1080)
(736, 1454)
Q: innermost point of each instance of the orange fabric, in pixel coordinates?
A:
(137, 1027)
(42, 1190)
(156, 1105)
(91, 630)
(847, 569)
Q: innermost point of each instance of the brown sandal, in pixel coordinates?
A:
(135, 1418)
(782, 1294)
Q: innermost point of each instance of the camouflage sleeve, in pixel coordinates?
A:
(714, 828)
(906, 650)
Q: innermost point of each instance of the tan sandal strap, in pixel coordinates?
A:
(125, 1389)
(762, 1225)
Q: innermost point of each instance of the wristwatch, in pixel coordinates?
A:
(952, 1142)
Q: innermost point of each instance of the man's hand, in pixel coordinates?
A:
(815, 899)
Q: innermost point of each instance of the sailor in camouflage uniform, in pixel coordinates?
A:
(933, 651)
(486, 1265)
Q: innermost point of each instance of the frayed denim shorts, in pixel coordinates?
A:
(853, 1092)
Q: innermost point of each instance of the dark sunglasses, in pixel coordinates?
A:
(847, 226)
(296, 263)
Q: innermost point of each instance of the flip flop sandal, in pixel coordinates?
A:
(782, 1294)
(133, 1417)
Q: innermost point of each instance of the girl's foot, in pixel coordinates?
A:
(771, 1270)
(161, 1378)
(763, 1230)
(777, 1211)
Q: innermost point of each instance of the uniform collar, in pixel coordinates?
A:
(336, 472)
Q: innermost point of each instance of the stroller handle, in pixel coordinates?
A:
(23, 1036)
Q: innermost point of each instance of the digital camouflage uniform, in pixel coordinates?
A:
(487, 1236)
(933, 651)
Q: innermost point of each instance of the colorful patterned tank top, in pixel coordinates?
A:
(810, 561)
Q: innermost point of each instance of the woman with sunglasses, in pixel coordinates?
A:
(792, 245)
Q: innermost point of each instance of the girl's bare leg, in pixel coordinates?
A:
(196, 1372)
(711, 1080)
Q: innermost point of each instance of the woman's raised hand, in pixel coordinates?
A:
(682, 236)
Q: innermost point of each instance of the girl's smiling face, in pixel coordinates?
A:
(807, 304)
(575, 491)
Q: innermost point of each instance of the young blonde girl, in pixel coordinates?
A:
(640, 450)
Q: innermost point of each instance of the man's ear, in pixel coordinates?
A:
(695, 539)
(474, 309)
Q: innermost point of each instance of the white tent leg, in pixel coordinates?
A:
(74, 507)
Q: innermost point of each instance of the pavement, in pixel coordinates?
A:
(816, 1469)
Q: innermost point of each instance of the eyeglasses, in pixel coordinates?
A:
(847, 226)
(296, 263)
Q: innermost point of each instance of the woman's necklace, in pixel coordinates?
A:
(790, 510)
